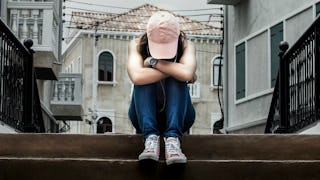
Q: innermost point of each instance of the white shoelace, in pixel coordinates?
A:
(173, 147)
(151, 144)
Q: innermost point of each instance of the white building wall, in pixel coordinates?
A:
(6, 129)
(250, 22)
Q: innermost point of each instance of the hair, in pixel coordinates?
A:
(143, 45)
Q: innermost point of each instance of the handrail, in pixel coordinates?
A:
(17, 81)
(296, 99)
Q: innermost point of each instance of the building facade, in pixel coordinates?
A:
(253, 31)
(98, 53)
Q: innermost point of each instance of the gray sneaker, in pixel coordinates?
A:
(173, 151)
(152, 149)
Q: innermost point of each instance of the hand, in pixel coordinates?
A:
(194, 79)
(146, 62)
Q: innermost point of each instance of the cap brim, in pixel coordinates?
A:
(163, 50)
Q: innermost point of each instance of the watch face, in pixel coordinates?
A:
(153, 62)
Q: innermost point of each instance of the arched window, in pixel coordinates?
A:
(217, 64)
(104, 125)
(106, 67)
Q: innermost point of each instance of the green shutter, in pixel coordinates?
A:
(240, 71)
(317, 9)
(276, 38)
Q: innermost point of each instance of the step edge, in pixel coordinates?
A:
(135, 160)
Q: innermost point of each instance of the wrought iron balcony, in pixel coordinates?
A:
(66, 102)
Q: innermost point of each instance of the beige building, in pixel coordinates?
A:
(96, 56)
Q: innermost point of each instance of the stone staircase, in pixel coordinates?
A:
(104, 157)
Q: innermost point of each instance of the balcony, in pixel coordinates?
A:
(38, 21)
(66, 102)
(194, 90)
(225, 2)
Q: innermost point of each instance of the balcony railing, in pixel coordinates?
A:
(19, 102)
(35, 20)
(67, 90)
(194, 90)
(295, 103)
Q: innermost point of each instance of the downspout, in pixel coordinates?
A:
(226, 59)
(60, 36)
(95, 79)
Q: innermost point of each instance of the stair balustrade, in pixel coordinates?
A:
(18, 103)
(295, 102)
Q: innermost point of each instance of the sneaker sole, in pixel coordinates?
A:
(176, 161)
(146, 157)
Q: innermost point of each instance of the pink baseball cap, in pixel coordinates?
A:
(163, 33)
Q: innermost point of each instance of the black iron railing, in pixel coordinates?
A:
(18, 103)
(295, 103)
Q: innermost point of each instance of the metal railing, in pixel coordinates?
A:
(295, 103)
(18, 105)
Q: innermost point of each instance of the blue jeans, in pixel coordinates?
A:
(179, 113)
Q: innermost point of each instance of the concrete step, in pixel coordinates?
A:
(115, 169)
(196, 147)
(95, 157)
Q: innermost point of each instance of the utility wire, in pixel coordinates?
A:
(133, 15)
(100, 5)
(106, 27)
(208, 26)
(127, 8)
(104, 12)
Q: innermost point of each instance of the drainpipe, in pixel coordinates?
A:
(60, 35)
(94, 80)
(226, 59)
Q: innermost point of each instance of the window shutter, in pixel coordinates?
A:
(240, 71)
(276, 38)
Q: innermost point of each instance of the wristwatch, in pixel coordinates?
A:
(153, 62)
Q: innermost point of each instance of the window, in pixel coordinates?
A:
(105, 67)
(240, 71)
(276, 34)
(217, 64)
(104, 125)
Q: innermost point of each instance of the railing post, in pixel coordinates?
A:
(317, 69)
(28, 120)
(283, 89)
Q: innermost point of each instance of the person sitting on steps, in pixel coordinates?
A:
(161, 63)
